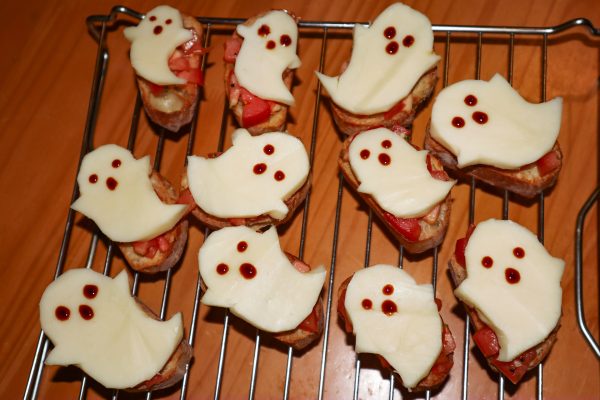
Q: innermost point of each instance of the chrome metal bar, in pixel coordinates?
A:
(288, 371)
(356, 378)
(392, 387)
(222, 356)
(255, 364)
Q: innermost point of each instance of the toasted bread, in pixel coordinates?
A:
(525, 181)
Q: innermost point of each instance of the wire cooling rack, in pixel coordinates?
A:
(99, 24)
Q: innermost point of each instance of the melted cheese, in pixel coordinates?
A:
(153, 41)
(522, 314)
(516, 132)
(277, 298)
(404, 187)
(229, 187)
(120, 346)
(131, 211)
(409, 339)
(375, 80)
(264, 57)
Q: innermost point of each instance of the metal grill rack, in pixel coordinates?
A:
(99, 28)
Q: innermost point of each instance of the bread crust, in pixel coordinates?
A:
(525, 181)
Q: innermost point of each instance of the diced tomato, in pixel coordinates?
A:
(548, 163)
(394, 110)
(155, 89)
(440, 175)
(178, 64)
(514, 370)
(163, 244)
(141, 248)
(232, 48)
(151, 251)
(193, 46)
(185, 197)
(310, 323)
(236, 221)
(487, 341)
(409, 228)
(148, 248)
(461, 245)
(255, 112)
(192, 75)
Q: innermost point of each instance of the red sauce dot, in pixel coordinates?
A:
(168, 22)
(480, 117)
(279, 176)
(260, 168)
(389, 307)
(242, 246)
(384, 159)
(285, 40)
(264, 30)
(487, 262)
(248, 270)
(458, 122)
(157, 30)
(519, 252)
(389, 32)
(86, 312)
(367, 304)
(90, 291)
(408, 41)
(386, 144)
(93, 178)
(62, 313)
(116, 163)
(388, 290)
(111, 183)
(222, 269)
(270, 45)
(269, 149)
(364, 154)
(512, 275)
(470, 100)
(392, 48)
(153, 18)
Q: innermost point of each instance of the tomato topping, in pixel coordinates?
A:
(394, 110)
(192, 75)
(440, 175)
(409, 228)
(487, 341)
(310, 323)
(178, 64)
(255, 111)
(148, 248)
(461, 245)
(154, 88)
(548, 163)
(515, 369)
(438, 303)
(232, 48)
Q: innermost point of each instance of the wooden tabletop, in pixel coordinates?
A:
(46, 72)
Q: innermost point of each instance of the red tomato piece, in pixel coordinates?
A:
(548, 163)
(154, 88)
(461, 245)
(255, 111)
(514, 370)
(163, 244)
(310, 323)
(409, 228)
(487, 341)
(141, 248)
(178, 64)
(440, 175)
(192, 75)
(232, 48)
(394, 110)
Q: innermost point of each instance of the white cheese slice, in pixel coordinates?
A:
(514, 132)
(388, 58)
(523, 313)
(120, 346)
(251, 178)
(395, 174)
(268, 49)
(116, 193)
(153, 41)
(248, 273)
(410, 339)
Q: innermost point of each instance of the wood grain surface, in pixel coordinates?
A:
(46, 68)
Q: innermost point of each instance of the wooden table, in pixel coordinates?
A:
(46, 72)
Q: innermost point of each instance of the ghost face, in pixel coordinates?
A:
(248, 273)
(513, 283)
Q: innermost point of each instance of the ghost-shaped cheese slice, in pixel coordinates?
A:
(248, 273)
(396, 318)
(388, 58)
(117, 194)
(251, 178)
(513, 283)
(94, 323)
(490, 123)
(153, 41)
(268, 49)
(395, 174)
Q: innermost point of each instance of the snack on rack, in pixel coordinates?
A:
(258, 181)
(95, 324)
(406, 187)
(248, 273)
(133, 206)
(503, 260)
(399, 321)
(392, 70)
(488, 131)
(259, 59)
(165, 53)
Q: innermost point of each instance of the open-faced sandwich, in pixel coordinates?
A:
(95, 324)
(258, 181)
(407, 188)
(392, 70)
(488, 131)
(259, 61)
(166, 54)
(510, 286)
(133, 206)
(399, 321)
(248, 273)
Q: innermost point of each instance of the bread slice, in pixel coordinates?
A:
(173, 106)
(175, 238)
(433, 226)
(402, 114)
(527, 181)
(442, 365)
